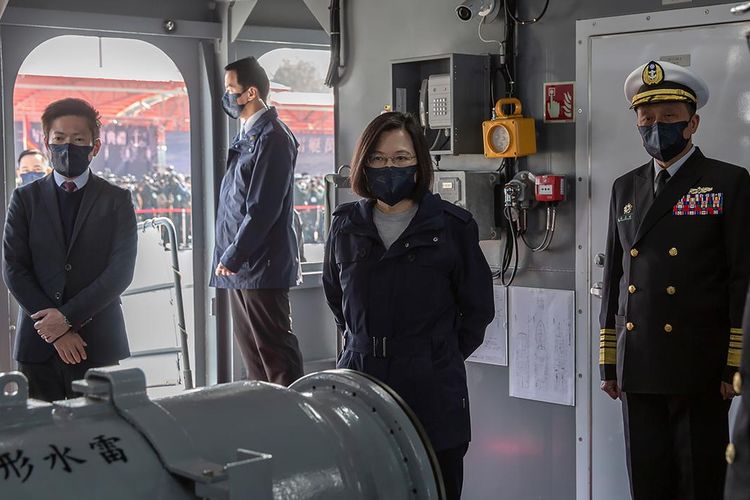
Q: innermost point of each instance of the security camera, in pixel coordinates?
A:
(488, 9)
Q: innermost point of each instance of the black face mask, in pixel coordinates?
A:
(70, 160)
(231, 106)
(391, 184)
(664, 141)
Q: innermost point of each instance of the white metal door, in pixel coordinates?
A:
(719, 54)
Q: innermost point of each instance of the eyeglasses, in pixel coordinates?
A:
(402, 160)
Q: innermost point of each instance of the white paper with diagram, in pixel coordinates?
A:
(542, 344)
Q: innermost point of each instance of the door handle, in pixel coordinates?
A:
(596, 289)
(599, 259)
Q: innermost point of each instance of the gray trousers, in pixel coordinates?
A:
(263, 330)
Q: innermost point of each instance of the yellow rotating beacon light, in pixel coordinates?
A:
(509, 136)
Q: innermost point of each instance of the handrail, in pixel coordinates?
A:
(160, 222)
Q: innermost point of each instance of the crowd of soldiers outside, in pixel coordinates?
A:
(164, 192)
(309, 202)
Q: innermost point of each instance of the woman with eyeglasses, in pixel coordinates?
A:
(408, 285)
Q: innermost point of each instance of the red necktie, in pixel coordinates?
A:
(69, 186)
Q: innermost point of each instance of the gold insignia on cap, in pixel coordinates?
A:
(653, 74)
(627, 208)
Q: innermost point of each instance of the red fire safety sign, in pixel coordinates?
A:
(559, 102)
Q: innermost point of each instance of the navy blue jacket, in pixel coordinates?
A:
(254, 224)
(83, 279)
(411, 315)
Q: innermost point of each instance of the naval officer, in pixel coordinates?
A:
(675, 280)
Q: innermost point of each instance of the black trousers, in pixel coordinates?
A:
(263, 330)
(452, 467)
(52, 379)
(675, 445)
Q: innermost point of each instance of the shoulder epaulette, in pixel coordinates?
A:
(456, 211)
(344, 208)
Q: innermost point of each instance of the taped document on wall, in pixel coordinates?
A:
(494, 349)
(542, 344)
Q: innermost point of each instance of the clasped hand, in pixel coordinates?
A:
(53, 328)
(50, 324)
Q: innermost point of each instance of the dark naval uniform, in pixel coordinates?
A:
(675, 280)
(738, 451)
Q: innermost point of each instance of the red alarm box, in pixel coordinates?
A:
(549, 188)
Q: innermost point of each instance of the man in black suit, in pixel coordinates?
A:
(675, 280)
(68, 253)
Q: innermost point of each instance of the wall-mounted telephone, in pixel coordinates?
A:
(448, 93)
(435, 104)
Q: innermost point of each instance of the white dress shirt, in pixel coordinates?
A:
(80, 181)
(248, 124)
(673, 168)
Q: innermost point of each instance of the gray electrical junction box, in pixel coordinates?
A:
(473, 191)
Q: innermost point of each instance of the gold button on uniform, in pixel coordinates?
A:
(673, 252)
(634, 252)
(729, 454)
(737, 383)
(668, 328)
(631, 289)
(671, 290)
(630, 327)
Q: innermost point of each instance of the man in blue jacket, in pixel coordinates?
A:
(256, 254)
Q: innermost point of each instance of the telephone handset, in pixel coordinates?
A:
(423, 104)
(435, 102)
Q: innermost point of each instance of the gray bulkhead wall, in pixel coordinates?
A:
(187, 10)
(521, 449)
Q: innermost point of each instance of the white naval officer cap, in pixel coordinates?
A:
(661, 81)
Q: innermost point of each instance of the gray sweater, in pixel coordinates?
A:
(390, 226)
